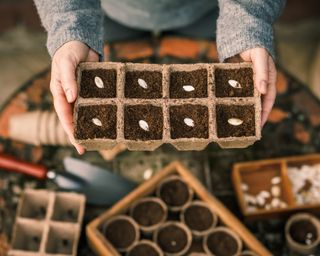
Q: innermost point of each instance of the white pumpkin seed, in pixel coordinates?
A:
(144, 125)
(275, 180)
(275, 191)
(98, 81)
(234, 84)
(244, 187)
(147, 174)
(235, 121)
(189, 122)
(188, 88)
(142, 83)
(96, 121)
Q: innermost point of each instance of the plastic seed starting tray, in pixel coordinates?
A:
(146, 105)
(47, 223)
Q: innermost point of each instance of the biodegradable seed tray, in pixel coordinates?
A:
(47, 223)
(252, 179)
(109, 229)
(146, 105)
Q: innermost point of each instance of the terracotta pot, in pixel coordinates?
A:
(170, 189)
(168, 236)
(211, 249)
(149, 213)
(194, 216)
(302, 221)
(147, 243)
(120, 228)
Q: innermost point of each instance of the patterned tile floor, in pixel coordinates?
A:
(293, 129)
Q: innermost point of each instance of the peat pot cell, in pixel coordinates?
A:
(34, 205)
(199, 218)
(66, 208)
(234, 82)
(122, 232)
(96, 121)
(191, 84)
(174, 192)
(143, 122)
(98, 83)
(189, 121)
(27, 236)
(61, 240)
(143, 84)
(149, 213)
(145, 248)
(222, 242)
(173, 238)
(235, 121)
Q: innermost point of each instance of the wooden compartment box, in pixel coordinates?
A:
(102, 246)
(250, 178)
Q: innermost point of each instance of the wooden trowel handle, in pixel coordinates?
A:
(11, 164)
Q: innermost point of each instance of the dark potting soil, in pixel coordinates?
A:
(88, 88)
(299, 231)
(245, 113)
(222, 244)
(175, 193)
(199, 114)
(244, 76)
(153, 115)
(198, 218)
(148, 213)
(172, 239)
(86, 129)
(154, 85)
(143, 250)
(198, 79)
(120, 233)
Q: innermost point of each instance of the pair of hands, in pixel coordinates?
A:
(63, 83)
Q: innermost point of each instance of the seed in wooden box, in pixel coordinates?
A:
(275, 203)
(261, 201)
(264, 194)
(189, 122)
(235, 121)
(144, 125)
(188, 88)
(98, 81)
(244, 187)
(142, 83)
(275, 191)
(96, 121)
(234, 84)
(275, 180)
(250, 199)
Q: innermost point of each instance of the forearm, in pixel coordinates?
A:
(69, 20)
(246, 24)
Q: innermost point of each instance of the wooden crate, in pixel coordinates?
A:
(102, 247)
(257, 174)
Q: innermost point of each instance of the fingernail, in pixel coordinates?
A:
(69, 95)
(263, 87)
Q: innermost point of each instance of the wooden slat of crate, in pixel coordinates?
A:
(102, 247)
(240, 168)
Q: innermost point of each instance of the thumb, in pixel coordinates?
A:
(68, 79)
(259, 59)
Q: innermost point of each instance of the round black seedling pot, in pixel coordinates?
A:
(174, 238)
(222, 241)
(199, 218)
(149, 213)
(122, 232)
(302, 233)
(175, 192)
(145, 248)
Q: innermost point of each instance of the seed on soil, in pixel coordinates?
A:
(144, 125)
(98, 81)
(189, 122)
(188, 88)
(234, 84)
(235, 121)
(142, 83)
(96, 121)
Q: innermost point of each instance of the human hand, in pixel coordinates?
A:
(63, 85)
(265, 76)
